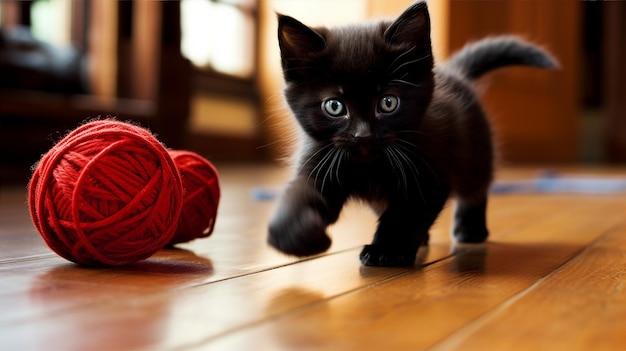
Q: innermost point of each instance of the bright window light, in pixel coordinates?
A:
(217, 35)
(51, 21)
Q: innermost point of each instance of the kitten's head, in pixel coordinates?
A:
(359, 88)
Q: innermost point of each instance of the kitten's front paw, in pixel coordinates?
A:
(376, 255)
(302, 235)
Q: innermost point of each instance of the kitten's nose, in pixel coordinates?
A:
(361, 137)
(361, 132)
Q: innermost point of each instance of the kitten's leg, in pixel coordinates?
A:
(470, 224)
(402, 228)
(299, 224)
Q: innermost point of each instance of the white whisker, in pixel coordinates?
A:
(405, 148)
(408, 63)
(399, 57)
(410, 147)
(341, 157)
(328, 172)
(415, 173)
(318, 168)
(317, 152)
(406, 160)
(397, 165)
(405, 82)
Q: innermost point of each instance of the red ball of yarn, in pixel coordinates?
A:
(107, 194)
(201, 196)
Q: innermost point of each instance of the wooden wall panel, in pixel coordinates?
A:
(615, 77)
(535, 112)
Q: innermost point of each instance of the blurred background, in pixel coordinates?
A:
(205, 74)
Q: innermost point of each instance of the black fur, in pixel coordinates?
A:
(341, 86)
(488, 54)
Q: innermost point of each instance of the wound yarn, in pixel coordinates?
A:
(107, 194)
(201, 195)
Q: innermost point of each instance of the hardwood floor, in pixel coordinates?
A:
(551, 277)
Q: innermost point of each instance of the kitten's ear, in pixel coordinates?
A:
(412, 27)
(296, 39)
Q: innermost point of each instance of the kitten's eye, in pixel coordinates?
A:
(388, 104)
(334, 108)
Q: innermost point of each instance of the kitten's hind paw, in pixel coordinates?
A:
(476, 236)
(375, 255)
(470, 224)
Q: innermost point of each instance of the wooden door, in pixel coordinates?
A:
(535, 112)
(614, 16)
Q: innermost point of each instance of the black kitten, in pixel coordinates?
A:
(382, 125)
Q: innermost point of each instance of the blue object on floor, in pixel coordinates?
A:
(554, 183)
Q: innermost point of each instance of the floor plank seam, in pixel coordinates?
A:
(130, 301)
(309, 306)
(289, 313)
(267, 269)
(26, 258)
(453, 340)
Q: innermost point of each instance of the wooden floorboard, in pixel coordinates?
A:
(550, 278)
(583, 299)
(419, 310)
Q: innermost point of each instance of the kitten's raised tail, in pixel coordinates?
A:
(478, 58)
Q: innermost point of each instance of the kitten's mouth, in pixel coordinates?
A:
(364, 153)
